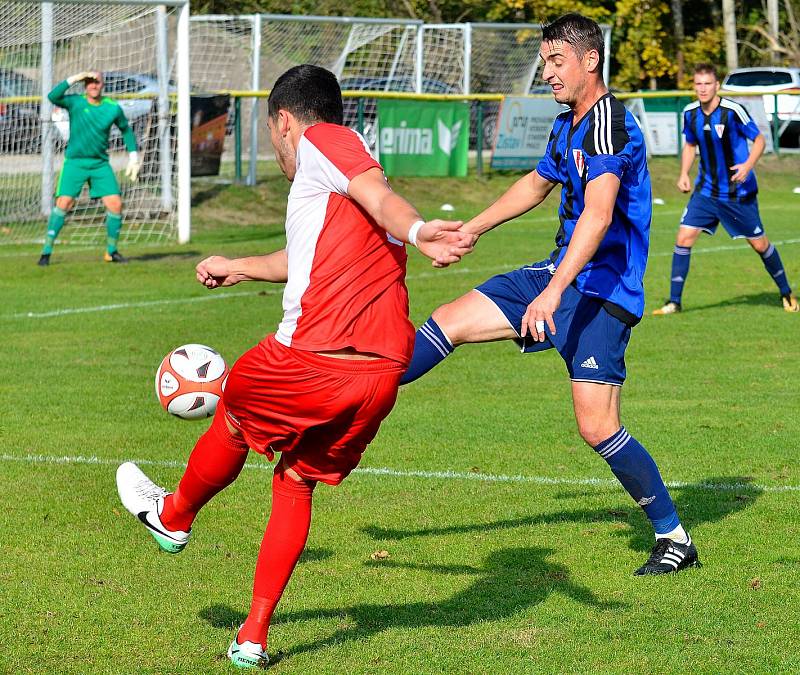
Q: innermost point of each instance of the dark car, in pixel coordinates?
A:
(408, 84)
(20, 130)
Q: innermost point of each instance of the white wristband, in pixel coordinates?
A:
(134, 157)
(412, 233)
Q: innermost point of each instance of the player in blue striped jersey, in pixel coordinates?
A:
(725, 188)
(583, 300)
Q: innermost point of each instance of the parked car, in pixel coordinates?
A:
(408, 84)
(773, 79)
(20, 130)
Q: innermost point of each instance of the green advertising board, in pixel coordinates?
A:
(423, 138)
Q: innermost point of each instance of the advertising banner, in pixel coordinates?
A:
(523, 128)
(423, 138)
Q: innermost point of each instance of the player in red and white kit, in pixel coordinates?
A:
(317, 390)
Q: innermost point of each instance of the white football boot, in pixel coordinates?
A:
(247, 654)
(145, 500)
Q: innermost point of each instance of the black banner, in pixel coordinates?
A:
(209, 117)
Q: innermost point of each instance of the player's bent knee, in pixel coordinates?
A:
(594, 433)
(448, 319)
(65, 203)
(232, 430)
(287, 481)
(687, 237)
(759, 245)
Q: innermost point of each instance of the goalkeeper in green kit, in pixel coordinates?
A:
(91, 116)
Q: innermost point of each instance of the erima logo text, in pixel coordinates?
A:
(405, 140)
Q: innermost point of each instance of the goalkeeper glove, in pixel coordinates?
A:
(132, 170)
(85, 75)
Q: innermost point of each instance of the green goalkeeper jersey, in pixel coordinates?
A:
(90, 125)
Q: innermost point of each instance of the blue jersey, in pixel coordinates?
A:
(722, 139)
(607, 139)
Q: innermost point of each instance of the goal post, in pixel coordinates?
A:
(142, 49)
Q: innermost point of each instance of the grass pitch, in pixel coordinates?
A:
(510, 549)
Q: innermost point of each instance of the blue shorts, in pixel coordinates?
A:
(590, 340)
(740, 219)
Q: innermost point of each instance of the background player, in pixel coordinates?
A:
(725, 189)
(583, 300)
(91, 117)
(317, 390)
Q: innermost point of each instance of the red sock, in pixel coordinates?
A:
(284, 541)
(215, 462)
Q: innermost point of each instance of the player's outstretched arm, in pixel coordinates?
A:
(216, 270)
(527, 193)
(439, 240)
(600, 197)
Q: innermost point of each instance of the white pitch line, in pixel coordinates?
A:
(428, 475)
(457, 269)
(129, 305)
(716, 249)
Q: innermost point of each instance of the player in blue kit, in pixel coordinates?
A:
(584, 300)
(725, 189)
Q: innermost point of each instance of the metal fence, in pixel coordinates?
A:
(247, 53)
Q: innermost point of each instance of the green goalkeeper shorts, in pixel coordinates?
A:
(76, 172)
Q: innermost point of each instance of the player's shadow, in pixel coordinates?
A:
(706, 501)
(511, 580)
(150, 257)
(754, 300)
(208, 192)
(222, 616)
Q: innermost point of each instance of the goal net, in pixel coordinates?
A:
(250, 52)
(134, 45)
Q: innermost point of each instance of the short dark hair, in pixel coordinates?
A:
(310, 93)
(709, 68)
(580, 31)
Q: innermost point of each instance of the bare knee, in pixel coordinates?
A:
(65, 203)
(759, 245)
(687, 236)
(594, 432)
(447, 317)
(232, 429)
(113, 203)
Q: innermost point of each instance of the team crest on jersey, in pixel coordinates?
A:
(720, 129)
(580, 161)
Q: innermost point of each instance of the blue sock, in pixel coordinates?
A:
(772, 261)
(635, 469)
(431, 347)
(680, 270)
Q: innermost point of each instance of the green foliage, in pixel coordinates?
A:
(643, 47)
(707, 46)
(642, 43)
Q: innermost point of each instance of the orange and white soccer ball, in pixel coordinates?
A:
(190, 381)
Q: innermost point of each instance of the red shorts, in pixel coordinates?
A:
(322, 412)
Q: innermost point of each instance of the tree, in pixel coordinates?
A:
(786, 44)
(642, 43)
(678, 32)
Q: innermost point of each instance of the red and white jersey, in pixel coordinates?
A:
(346, 285)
